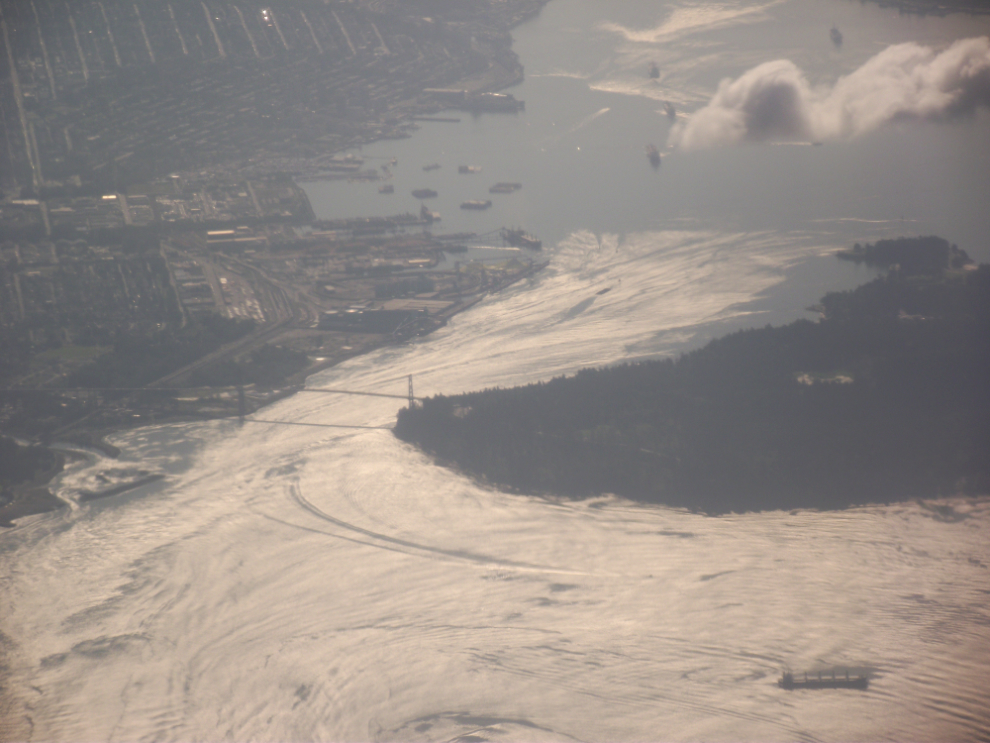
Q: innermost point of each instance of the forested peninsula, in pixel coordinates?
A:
(885, 398)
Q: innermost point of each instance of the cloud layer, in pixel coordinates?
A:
(775, 103)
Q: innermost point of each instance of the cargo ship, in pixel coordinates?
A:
(389, 188)
(836, 36)
(476, 205)
(505, 187)
(668, 108)
(517, 238)
(476, 102)
(654, 71)
(494, 102)
(424, 193)
(820, 681)
(434, 166)
(467, 169)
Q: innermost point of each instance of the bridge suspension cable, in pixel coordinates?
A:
(316, 425)
(58, 390)
(351, 392)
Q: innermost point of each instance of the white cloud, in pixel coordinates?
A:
(774, 102)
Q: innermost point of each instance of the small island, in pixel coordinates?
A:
(885, 398)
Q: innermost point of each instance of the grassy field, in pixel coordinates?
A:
(71, 353)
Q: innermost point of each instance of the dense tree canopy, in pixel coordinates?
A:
(886, 398)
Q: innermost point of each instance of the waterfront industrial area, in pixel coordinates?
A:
(326, 289)
(158, 259)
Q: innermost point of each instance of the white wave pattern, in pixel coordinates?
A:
(775, 102)
(305, 583)
(683, 94)
(690, 19)
(680, 46)
(588, 119)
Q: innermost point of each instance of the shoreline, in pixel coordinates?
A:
(889, 376)
(35, 498)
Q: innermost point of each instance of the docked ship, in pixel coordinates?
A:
(517, 238)
(654, 155)
(424, 193)
(654, 71)
(476, 204)
(428, 216)
(492, 102)
(505, 187)
(468, 169)
(823, 681)
(345, 163)
(476, 102)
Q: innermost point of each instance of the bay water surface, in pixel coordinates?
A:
(291, 583)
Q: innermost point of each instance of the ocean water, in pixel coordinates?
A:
(579, 148)
(304, 583)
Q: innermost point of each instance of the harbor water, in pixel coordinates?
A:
(301, 582)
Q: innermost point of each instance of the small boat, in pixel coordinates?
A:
(388, 188)
(434, 166)
(654, 155)
(820, 681)
(654, 71)
(836, 36)
(476, 205)
(424, 193)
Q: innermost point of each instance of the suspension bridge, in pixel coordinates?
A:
(242, 416)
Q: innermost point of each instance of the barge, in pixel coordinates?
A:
(505, 187)
(822, 681)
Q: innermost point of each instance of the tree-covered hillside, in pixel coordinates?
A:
(886, 398)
